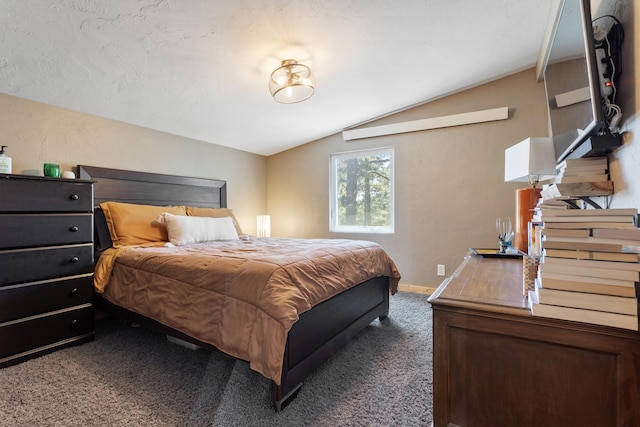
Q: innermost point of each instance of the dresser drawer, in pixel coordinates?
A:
(24, 230)
(30, 265)
(45, 195)
(33, 333)
(31, 299)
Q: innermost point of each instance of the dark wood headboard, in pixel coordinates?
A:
(153, 188)
(147, 189)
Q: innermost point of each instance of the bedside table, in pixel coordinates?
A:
(46, 265)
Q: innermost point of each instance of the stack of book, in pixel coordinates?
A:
(588, 176)
(590, 268)
(586, 169)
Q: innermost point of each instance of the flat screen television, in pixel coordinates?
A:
(572, 82)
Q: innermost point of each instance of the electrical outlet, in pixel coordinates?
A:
(441, 270)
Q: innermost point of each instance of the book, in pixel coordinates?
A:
(605, 233)
(589, 263)
(552, 204)
(593, 288)
(564, 179)
(625, 219)
(590, 271)
(592, 255)
(590, 244)
(566, 232)
(546, 276)
(582, 162)
(577, 189)
(583, 170)
(607, 225)
(592, 212)
(608, 303)
(615, 320)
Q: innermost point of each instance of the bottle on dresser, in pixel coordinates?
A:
(5, 161)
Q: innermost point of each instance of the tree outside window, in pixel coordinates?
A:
(362, 191)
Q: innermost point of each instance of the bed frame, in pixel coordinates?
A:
(314, 338)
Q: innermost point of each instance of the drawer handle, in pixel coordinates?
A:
(74, 197)
(74, 322)
(74, 228)
(73, 292)
(74, 259)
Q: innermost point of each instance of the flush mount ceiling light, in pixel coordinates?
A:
(291, 82)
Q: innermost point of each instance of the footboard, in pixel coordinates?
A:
(322, 331)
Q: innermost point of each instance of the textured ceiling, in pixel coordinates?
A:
(200, 68)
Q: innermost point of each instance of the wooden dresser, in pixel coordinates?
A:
(46, 265)
(496, 365)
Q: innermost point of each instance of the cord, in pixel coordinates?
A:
(613, 70)
(612, 49)
(620, 30)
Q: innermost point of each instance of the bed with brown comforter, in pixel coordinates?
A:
(241, 296)
(283, 305)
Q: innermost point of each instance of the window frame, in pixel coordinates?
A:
(334, 227)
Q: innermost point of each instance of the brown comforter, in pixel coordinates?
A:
(240, 296)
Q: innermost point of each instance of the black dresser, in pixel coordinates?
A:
(46, 265)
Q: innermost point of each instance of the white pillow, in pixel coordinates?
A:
(183, 230)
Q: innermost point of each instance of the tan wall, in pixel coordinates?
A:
(37, 133)
(449, 182)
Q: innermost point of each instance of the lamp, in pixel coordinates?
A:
(291, 82)
(264, 226)
(531, 160)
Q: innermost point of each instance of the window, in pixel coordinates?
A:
(362, 191)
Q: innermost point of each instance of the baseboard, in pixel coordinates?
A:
(417, 289)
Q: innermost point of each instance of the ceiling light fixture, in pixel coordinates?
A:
(291, 82)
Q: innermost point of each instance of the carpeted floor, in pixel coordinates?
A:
(134, 377)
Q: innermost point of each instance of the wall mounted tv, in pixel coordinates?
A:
(573, 85)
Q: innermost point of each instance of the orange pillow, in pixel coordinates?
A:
(214, 213)
(131, 224)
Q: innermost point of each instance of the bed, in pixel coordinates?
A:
(278, 303)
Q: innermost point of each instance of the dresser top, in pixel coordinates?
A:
(487, 284)
(4, 176)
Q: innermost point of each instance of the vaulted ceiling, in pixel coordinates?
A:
(200, 68)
